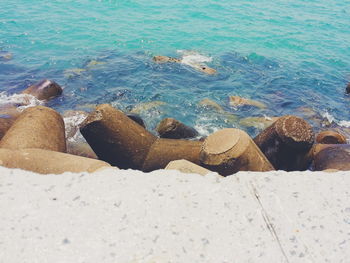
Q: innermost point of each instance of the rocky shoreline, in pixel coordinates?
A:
(37, 139)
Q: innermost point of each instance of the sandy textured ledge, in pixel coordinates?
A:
(166, 216)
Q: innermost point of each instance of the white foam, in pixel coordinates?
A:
(329, 117)
(205, 126)
(25, 100)
(72, 124)
(193, 58)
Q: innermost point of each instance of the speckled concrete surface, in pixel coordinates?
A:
(166, 216)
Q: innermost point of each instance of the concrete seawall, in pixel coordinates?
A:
(167, 216)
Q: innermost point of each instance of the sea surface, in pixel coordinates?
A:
(294, 56)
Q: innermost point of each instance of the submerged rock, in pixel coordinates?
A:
(174, 129)
(237, 101)
(258, 122)
(165, 59)
(5, 56)
(210, 104)
(146, 106)
(198, 66)
(44, 90)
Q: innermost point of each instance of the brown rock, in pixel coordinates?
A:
(115, 138)
(164, 151)
(174, 129)
(210, 104)
(330, 137)
(258, 122)
(37, 127)
(347, 89)
(185, 166)
(165, 59)
(286, 143)
(48, 162)
(44, 90)
(237, 101)
(5, 125)
(231, 150)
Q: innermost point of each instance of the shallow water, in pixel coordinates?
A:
(287, 54)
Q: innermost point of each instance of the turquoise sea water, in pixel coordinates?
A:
(287, 54)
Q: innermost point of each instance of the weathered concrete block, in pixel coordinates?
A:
(48, 162)
(330, 137)
(164, 151)
(185, 166)
(231, 150)
(174, 129)
(286, 143)
(37, 127)
(115, 138)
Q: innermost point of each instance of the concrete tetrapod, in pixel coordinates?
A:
(185, 166)
(5, 125)
(37, 127)
(231, 150)
(48, 162)
(330, 137)
(44, 90)
(115, 138)
(332, 157)
(174, 129)
(286, 143)
(164, 151)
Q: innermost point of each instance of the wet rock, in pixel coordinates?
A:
(115, 138)
(164, 151)
(185, 166)
(231, 150)
(146, 106)
(5, 124)
(200, 67)
(165, 59)
(44, 90)
(335, 157)
(74, 72)
(286, 143)
(48, 162)
(258, 122)
(5, 56)
(174, 129)
(237, 101)
(330, 137)
(210, 104)
(136, 118)
(347, 89)
(37, 127)
(94, 63)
